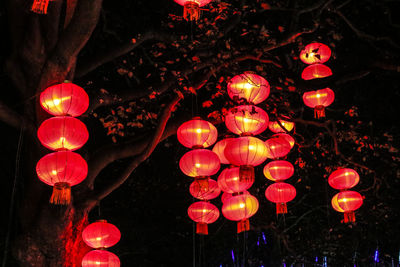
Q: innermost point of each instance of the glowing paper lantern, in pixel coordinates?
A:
(240, 208)
(246, 120)
(64, 99)
(280, 193)
(219, 149)
(62, 170)
(101, 234)
(204, 193)
(197, 133)
(226, 196)
(316, 71)
(347, 202)
(278, 170)
(315, 53)
(203, 213)
(229, 181)
(287, 137)
(277, 147)
(63, 133)
(100, 258)
(251, 87)
(343, 179)
(318, 100)
(191, 8)
(276, 128)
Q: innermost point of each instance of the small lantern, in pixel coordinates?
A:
(251, 87)
(101, 234)
(287, 137)
(347, 202)
(204, 193)
(100, 258)
(318, 100)
(344, 178)
(229, 181)
(280, 193)
(203, 213)
(246, 120)
(197, 133)
(277, 147)
(219, 149)
(315, 53)
(316, 71)
(278, 170)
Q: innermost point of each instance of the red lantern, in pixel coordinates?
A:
(315, 53)
(347, 202)
(64, 99)
(191, 9)
(197, 133)
(280, 193)
(62, 170)
(226, 196)
(199, 163)
(316, 71)
(246, 120)
(318, 100)
(287, 137)
(277, 147)
(219, 149)
(63, 133)
(204, 193)
(343, 179)
(240, 208)
(252, 87)
(203, 213)
(229, 181)
(40, 6)
(276, 128)
(278, 170)
(100, 258)
(101, 234)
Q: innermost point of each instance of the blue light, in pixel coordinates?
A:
(264, 238)
(233, 255)
(325, 263)
(316, 259)
(376, 256)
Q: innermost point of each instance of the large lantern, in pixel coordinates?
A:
(277, 147)
(219, 149)
(347, 202)
(100, 258)
(282, 126)
(278, 170)
(318, 100)
(240, 208)
(251, 87)
(203, 213)
(62, 170)
(64, 99)
(316, 71)
(315, 53)
(343, 179)
(101, 234)
(229, 181)
(191, 9)
(246, 120)
(197, 133)
(204, 193)
(280, 193)
(287, 137)
(63, 133)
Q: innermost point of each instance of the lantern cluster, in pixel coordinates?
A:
(100, 235)
(200, 163)
(315, 54)
(346, 201)
(63, 133)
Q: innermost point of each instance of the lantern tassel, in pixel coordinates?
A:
(319, 112)
(61, 194)
(281, 208)
(243, 225)
(246, 173)
(349, 217)
(203, 183)
(40, 6)
(201, 228)
(191, 11)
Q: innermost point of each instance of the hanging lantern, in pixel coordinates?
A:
(229, 181)
(204, 193)
(40, 6)
(191, 8)
(316, 71)
(277, 147)
(347, 202)
(343, 179)
(246, 120)
(63, 133)
(219, 149)
(318, 100)
(246, 152)
(100, 258)
(315, 53)
(252, 87)
(287, 137)
(240, 208)
(226, 195)
(278, 170)
(280, 193)
(203, 213)
(197, 133)
(64, 99)
(276, 128)
(62, 170)
(101, 234)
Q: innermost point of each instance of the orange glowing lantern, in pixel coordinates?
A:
(240, 208)
(318, 100)
(203, 213)
(204, 193)
(100, 258)
(347, 202)
(315, 53)
(316, 71)
(63, 133)
(62, 170)
(64, 99)
(282, 126)
(246, 120)
(251, 87)
(197, 133)
(280, 193)
(278, 170)
(287, 137)
(101, 234)
(219, 149)
(229, 181)
(277, 147)
(191, 8)
(342, 179)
